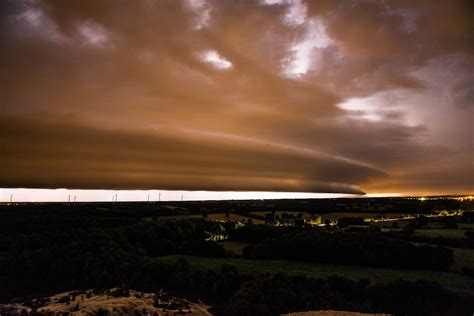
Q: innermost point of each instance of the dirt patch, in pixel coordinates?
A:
(110, 302)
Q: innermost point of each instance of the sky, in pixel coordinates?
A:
(221, 99)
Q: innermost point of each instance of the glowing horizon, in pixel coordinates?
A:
(331, 97)
(68, 195)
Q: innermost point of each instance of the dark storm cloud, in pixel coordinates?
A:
(79, 157)
(283, 95)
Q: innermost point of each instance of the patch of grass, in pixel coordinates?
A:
(463, 258)
(451, 280)
(466, 225)
(441, 232)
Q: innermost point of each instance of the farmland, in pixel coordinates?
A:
(450, 280)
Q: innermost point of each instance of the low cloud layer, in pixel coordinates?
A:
(335, 97)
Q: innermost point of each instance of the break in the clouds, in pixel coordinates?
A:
(315, 96)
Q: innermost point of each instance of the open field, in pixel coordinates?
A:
(453, 281)
(463, 258)
(467, 226)
(441, 232)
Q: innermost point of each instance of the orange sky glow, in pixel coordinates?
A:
(232, 99)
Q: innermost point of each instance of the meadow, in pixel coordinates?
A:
(451, 280)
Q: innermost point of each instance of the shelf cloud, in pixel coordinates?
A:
(291, 96)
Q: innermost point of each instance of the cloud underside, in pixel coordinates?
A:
(332, 96)
(45, 154)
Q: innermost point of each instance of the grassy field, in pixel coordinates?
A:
(441, 232)
(463, 258)
(466, 226)
(453, 281)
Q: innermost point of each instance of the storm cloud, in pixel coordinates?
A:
(290, 96)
